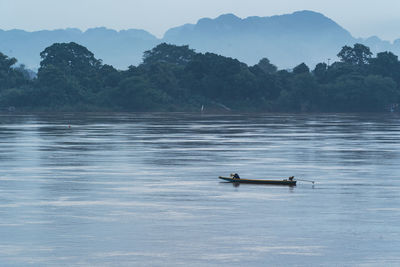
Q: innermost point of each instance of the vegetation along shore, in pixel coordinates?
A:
(176, 78)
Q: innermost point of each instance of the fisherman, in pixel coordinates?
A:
(291, 178)
(235, 176)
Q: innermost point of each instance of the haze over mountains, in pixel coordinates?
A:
(287, 40)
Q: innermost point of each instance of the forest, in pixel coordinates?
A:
(176, 78)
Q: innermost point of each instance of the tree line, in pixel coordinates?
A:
(176, 78)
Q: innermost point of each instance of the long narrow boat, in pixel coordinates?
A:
(250, 181)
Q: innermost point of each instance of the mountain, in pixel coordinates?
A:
(287, 40)
(117, 48)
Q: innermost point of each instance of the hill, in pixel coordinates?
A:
(286, 40)
(117, 48)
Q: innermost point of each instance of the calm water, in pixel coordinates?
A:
(142, 190)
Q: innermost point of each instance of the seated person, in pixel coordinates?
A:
(235, 176)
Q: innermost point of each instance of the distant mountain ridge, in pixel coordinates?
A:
(117, 48)
(287, 40)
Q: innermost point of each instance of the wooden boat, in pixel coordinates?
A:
(250, 181)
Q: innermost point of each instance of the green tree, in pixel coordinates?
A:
(379, 93)
(357, 55)
(321, 72)
(69, 74)
(386, 64)
(266, 66)
(137, 94)
(6, 62)
(72, 60)
(165, 77)
(300, 69)
(167, 53)
(9, 76)
(219, 78)
(358, 93)
(71, 57)
(109, 76)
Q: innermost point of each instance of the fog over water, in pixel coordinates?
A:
(142, 190)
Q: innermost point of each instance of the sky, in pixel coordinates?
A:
(362, 18)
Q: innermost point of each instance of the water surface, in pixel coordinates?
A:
(142, 190)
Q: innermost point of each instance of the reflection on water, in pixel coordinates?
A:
(143, 189)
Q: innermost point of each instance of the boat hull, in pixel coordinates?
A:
(250, 181)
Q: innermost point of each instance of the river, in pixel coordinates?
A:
(142, 189)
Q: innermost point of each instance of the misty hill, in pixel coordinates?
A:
(117, 48)
(286, 40)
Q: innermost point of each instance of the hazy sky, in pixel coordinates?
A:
(362, 18)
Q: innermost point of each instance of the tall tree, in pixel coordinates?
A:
(70, 72)
(72, 60)
(386, 64)
(320, 72)
(266, 66)
(72, 57)
(302, 68)
(9, 76)
(357, 55)
(167, 53)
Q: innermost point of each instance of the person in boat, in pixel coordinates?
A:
(291, 178)
(235, 176)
